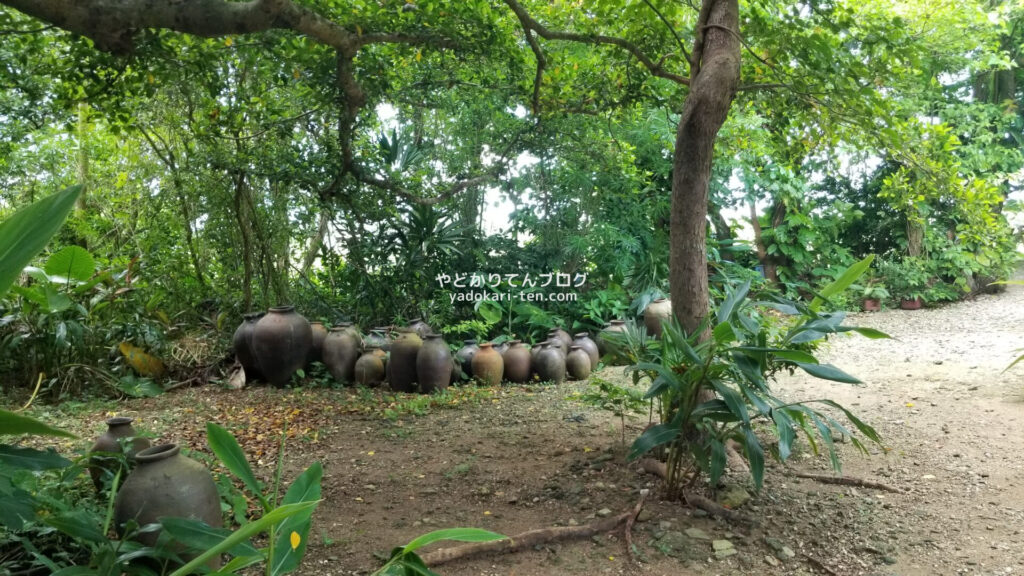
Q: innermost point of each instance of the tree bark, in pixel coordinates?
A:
(715, 77)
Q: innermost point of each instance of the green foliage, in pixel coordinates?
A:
(24, 233)
(405, 561)
(621, 401)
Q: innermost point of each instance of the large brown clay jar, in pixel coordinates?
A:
(316, 351)
(403, 360)
(605, 345)
(341, 351)
(281, 341)
(167, 484)
(488, 366)
(551, 363)
(589, 346)
(242, 343)
(103, 460)
(517, 362)
(555, 340)
(421, 328)
(369, 368)
(465, 356)
(655, 314)
(434, 364)
(577, 363)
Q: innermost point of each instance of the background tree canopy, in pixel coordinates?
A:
(342, 155)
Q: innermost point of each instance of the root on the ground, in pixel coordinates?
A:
(846, 481)
(652, 466)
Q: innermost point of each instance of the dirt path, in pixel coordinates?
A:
(517, 458)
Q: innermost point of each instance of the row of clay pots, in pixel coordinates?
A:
(164, 483)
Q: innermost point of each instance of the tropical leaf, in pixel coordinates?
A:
(16, 424)
(27, 231)
(70, 263)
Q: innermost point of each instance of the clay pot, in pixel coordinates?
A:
(577, 363)
(550, 363)
(403, 360)
(422, 328)
(434, 364)
(657, 312)
(555, 339)
(501, 348)
(317, 349)
(242, 343)
(488, 367)
(562, 336)
(465, 356)
(167, 484)
(281, 342)
(589, 346)
(605, 346)
(369, 369)
(517, 362)
(872, 305)
(103, 461)
(341, 351)
(378, 337)
(914, 304)
(456, 372)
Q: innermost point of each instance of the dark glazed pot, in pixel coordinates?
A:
(657, 312)
(421, 328)
(605, 345)
(577, 363)
(102, 455)
(316, 351)
(281, 341)
(434, 365)
(341, 351)
(456, 372)
(403, 360)
(242, 343)
(369, 368)
(589, 346)
(517, 362)
(465, 356)
(551, 363)
(167, 484)
(488, 367)
(501, 348)
(555, 340)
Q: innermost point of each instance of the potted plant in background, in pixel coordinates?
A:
(872, 293)
(908, 280)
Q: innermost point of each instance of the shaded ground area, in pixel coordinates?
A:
(517, 458)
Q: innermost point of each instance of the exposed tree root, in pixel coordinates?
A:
(846, 481)
(652, 466)
(819, 564)
(532, 538)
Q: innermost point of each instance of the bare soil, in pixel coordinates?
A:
(517, 458)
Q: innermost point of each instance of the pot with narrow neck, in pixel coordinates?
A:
(281, 341)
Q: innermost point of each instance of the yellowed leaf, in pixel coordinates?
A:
(144, 364)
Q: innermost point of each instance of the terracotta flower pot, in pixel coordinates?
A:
(281, 341)
(102, 456)
(872, 305)
(434, 365)
(488, 367)
(914, 304)
(167, 484)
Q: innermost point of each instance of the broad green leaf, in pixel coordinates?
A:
(305, 488)
(791, 355)
(717, 460)
(732, 400)
(244, 533)
(867, 332)
(78, 524)
(230, 454)
(843, 282)
(27, 231)
(784, 428)
(724, 333)
(861, 426)
(827, 372)
(731, 301)
(652, 438)
(12, 423)
(71, 263)
(457, 534)
(755, 455)
(198, 535)
(18, 458)
(16, 508)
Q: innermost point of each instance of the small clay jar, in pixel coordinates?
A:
(551, 363)
(167, 484)
(103, 460)
(517, 362)
(488, 367)
(369, 368)
(242, 343)
(317, 349)
(589, 346)
(577, 363)
(465, 356)
(434, 365)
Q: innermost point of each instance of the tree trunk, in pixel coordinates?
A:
(316, 240)
(712, 87)
(915, 237)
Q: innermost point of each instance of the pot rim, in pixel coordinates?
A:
(469, 341)
(486, 345)
(616, 322)
(316, 322)
(253, 315)
(282, 309)
(157, 453)
(582, 335)
(574, 347)
(662, 299)
(119, 420)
